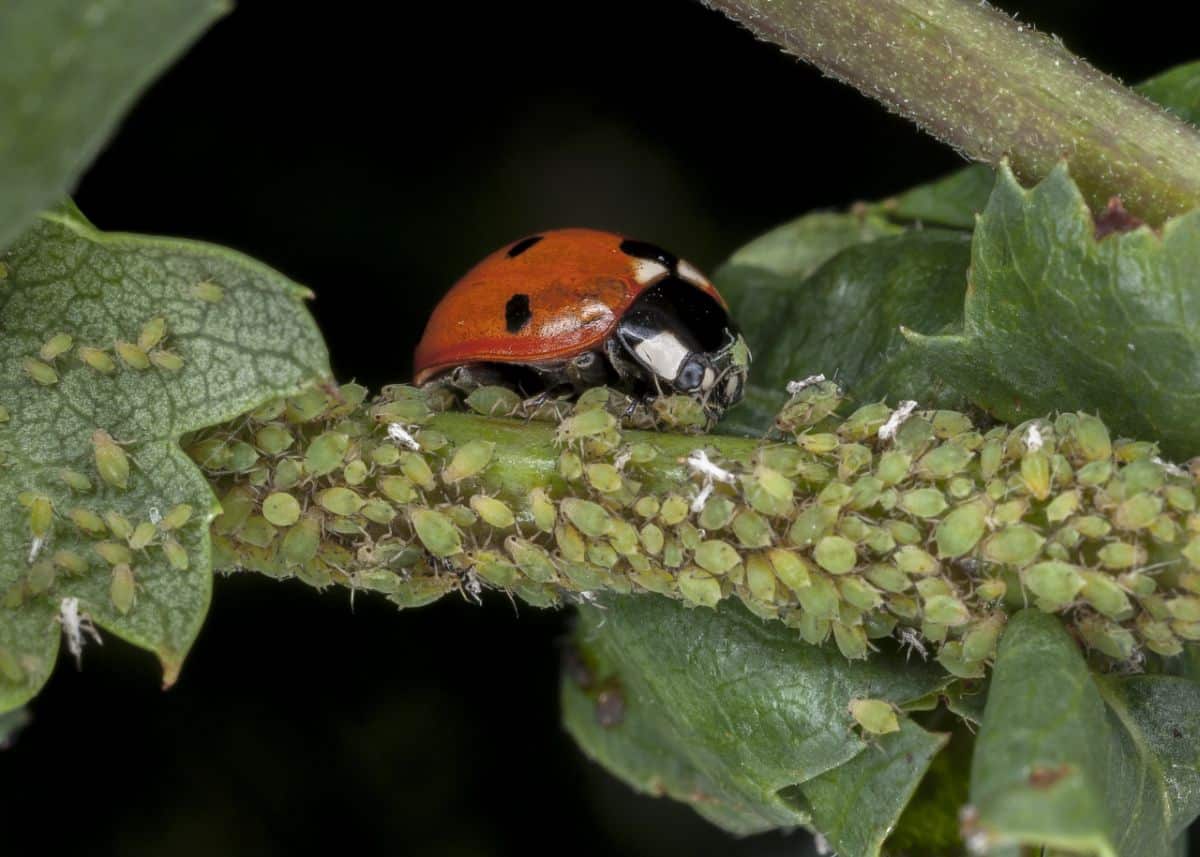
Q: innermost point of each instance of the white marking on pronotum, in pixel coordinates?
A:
(646, 271)
(74, 626)
(1033, 438)
(699, 462)
(1170, 468)
(888, 430)
(154, 515)
(794, 387)
(35, 547)
(691, 273)
(400, 435)
(663, 353)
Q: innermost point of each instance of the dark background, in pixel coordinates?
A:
(374, 158)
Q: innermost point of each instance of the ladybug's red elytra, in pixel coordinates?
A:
(575, 308)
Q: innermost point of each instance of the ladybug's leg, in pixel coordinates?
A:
(586, 370)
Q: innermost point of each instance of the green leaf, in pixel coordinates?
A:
(1056, 320)
(11, 724)
(951, 201)
(68, 72)
(745, 722)
(244, 337)
(1099, 765)
(842, 318)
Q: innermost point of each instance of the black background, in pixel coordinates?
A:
(375, 157)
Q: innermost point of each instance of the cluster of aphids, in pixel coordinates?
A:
(887, 522)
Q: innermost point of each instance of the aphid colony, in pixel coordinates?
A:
(140, 355)
(857, 528)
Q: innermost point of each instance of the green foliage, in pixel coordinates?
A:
(743, 721)
(1055, 318)
(68, 72)
(242, 335)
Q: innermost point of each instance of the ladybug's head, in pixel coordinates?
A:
(684, 340)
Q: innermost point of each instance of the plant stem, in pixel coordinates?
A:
(993, 88)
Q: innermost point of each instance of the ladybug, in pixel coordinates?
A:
(569, 309)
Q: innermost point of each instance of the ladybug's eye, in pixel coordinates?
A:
(691, 374)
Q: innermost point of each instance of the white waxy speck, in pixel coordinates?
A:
(888, 430)
(794, 387)
(35, 547)
(702, 496)
(1033, 438)
(400, 435)
(699, 462)
(154, 515)
(646, 271)
(74, 626)
(1169, 467)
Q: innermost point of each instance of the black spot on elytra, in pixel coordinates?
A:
(646, 250)
(521, 246)
(517, 313)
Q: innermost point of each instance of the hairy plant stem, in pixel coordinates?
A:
(993, 88)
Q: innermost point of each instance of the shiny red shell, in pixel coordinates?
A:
(576, 283)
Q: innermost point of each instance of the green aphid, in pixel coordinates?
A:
(1164, 529)
(1090, 437)
(152, 333)
(812, 523)
(835, 554)
(1185, 608)
(689, 535)
(437, 532)
(493, 401)
(943, 462)
(1191, 551)
(355, 473)
(752, 529)
(1179, 498)
(1138, 512)
(495, 513)
(143, 534)
(652, 539)
(716, 556)
(75, 480)
(775, 485)
(41, 516)
(70, 562)
(1094, 474)
(820, 597)
(55, 347)
(340, 500)
(760, 578)
(991, 457)
(951, 657)
(914, 435)
(1091, 526)
(603, 477)
(904, 532)
(865, 423)
(571, 543)
(176, 554)
(680, 412)
(4, 416)
(1063, 506)
(960, 531)
(378, 511)
(1105, 594)
(960, 488)
(384, 455)
(326, 452)
(1107, 637)
(916, 562)
(398, 489)
(287, 474)
(851, 641)
(699, 587)
(1035, 473)
(542, 509)
(623, 537)
(641, 454)
(1141, 476)
(301, 541)
(654, 579)
(281, 509)
(858, 593)
(307, 406)
(592, 519)
(208, 291)
(875, 716)
(242, 457)
(602, 554)
(40, 577)
(40, 372)
(923, 502)
(111, 461)
(1015, 545)
(176, 517)
(417, 470)
(1120, 555)
(852, 457)
(893, 467)
(948, 424)
(865, 493)
(673, 510)
(716, 514)
(1010, 512)
(946, 609)
(818, 443)
(835, 495)
(257, 531)
(88, 521)
(888, 577)
(494, 569)
(131, 355)
(122, 589)
(468, 461)
(1054, 583)
(114, 553)
(570, 466)
(531, 558)
(585, 424)
(168, 361)
(97, 358)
